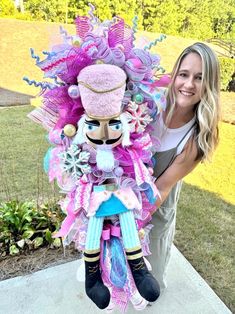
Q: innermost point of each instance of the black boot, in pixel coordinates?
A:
(146, 284)
(95, 289)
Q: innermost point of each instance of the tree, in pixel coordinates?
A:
(21, 6)
(198, 19)
(197, 22)
(7, 8)
(169, 16)
(53, 10)
(223, 19)
(76, 8)
(127, 10)
(102, 11)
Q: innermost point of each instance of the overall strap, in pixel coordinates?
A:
(167, 158)
(185, 135)
(175, 153)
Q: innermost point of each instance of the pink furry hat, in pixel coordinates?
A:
(102, 88)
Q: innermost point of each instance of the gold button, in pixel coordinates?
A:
(69, 130)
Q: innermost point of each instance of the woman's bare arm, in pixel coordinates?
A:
(183, 164)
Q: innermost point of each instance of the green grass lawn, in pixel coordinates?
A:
(22, 146)
(206, 215)
(205, 230)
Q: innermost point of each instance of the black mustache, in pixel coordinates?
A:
(100, 142)
(113, 140)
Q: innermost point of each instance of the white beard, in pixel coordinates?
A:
(104, 158)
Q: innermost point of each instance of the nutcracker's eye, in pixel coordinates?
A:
(92, 125)
(115, 125)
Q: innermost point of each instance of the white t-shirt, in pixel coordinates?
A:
(170, 138)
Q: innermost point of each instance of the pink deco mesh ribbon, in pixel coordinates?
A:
(82, 26)
(68, 221)
(83, 193)
(120, 34)
(45, 116)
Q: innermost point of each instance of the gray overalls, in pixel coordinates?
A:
(162, 234)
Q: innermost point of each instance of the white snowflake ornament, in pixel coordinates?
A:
(137, 116)
(75, 161)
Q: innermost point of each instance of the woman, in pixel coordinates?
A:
(189, 134)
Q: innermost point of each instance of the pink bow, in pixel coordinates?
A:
(67, 222)
(110, 230)
(164, 81)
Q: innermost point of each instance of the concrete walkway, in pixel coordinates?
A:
(56, 291)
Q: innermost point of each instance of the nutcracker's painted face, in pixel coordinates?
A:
(103, 132)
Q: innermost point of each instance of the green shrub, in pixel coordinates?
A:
(24, 226)
(7, 8)
(227, 67)
(23, 16)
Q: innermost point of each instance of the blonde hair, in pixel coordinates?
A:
(207, 111)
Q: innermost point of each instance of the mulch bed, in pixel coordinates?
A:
(12, 266)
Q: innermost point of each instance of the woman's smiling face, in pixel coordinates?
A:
(188, 81)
